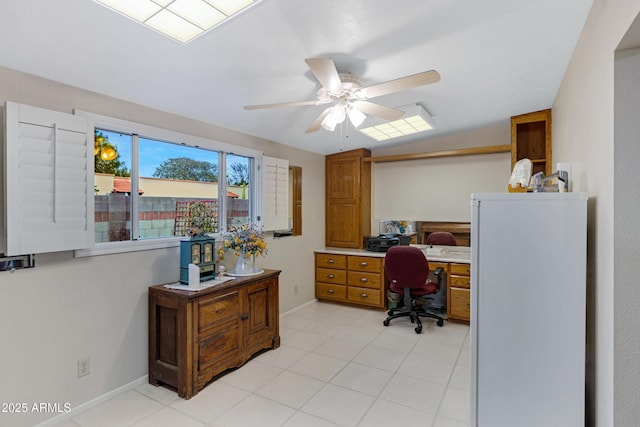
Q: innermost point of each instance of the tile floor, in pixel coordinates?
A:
(336, 366)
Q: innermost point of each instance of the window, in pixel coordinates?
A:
(148, 190)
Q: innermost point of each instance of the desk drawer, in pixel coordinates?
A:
(364, 263)
(337, 292)
(461, 269)
(364, 295)
(331, 261)
(365, 280)
(329, 275)
(433, 265)
(460, 282)
(460, 304)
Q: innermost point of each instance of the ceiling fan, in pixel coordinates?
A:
(349, 97)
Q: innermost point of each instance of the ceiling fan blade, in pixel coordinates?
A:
(317, 123)
(325, 71)
(403, 83)
(281, 104)
(377, 110)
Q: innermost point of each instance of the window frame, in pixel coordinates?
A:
(165, 135)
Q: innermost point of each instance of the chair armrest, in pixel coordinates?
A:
(438, 273)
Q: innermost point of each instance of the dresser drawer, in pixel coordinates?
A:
(460, 304)
(364, 263)
(217, 310)
(220, 344)
(365, 280)
(364, 295)
(329, 275)
(337, 292)
(460, 281)
(331, 261)
(461, 269)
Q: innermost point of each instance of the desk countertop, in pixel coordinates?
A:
(460, 254)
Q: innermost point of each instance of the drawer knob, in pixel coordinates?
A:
(330, 291)
(363, 264)
(363, 295)
(363, 280)
(330, 276)
(245, 316)
(330, 261)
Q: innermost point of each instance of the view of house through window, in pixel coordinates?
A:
(174, 183)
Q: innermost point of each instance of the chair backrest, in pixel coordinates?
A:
(441, 238)
(406, 266)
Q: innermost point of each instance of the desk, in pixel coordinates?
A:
(339, 277)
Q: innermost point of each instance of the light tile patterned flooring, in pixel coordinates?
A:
(336, 366)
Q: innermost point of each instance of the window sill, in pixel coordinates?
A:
(128, 246)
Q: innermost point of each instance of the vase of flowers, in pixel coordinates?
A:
(247, 242)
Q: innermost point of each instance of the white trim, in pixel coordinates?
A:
(128, 246)
(165, 135)
(93, 402)
(172, 137)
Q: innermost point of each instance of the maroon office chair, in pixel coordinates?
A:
(441, 238)
(408, 270)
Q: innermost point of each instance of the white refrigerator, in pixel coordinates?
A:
(528, 280)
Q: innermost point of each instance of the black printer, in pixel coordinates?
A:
(383, 242)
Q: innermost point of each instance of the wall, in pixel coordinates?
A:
(626, 234)
(583, 134)
(70, 308)
(439, 189)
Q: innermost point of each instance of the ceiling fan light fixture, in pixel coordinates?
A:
(356, 117)
(181, 20)
(336, 115)
(416, 119)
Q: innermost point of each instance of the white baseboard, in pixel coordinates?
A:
(94, 402)
(300, 307)
(132, 385)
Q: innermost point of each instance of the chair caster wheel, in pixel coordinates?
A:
(440, 322)
(418, 329)
(385, 323)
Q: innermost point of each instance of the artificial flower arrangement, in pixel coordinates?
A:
(247, 239)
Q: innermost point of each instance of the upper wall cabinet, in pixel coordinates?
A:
(48, 181)
(348, 199)
(531, 139)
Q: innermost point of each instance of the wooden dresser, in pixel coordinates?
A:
(353, 279)
(194, 336)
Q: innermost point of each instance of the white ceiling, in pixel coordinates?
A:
(496, 58)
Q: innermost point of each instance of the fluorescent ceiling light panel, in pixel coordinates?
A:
(415, 120)
(182, 20)
(229, 7)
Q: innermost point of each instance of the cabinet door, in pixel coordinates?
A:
(343, 179)
(259, 314)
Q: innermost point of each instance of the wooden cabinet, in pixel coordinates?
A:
(351, 279)
(531, 139)
(348, 199)
(194, 336)
(459, 292)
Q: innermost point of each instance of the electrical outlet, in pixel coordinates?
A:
(84, 367)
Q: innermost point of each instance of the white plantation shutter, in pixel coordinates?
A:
(49, 180)
(275, 196)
